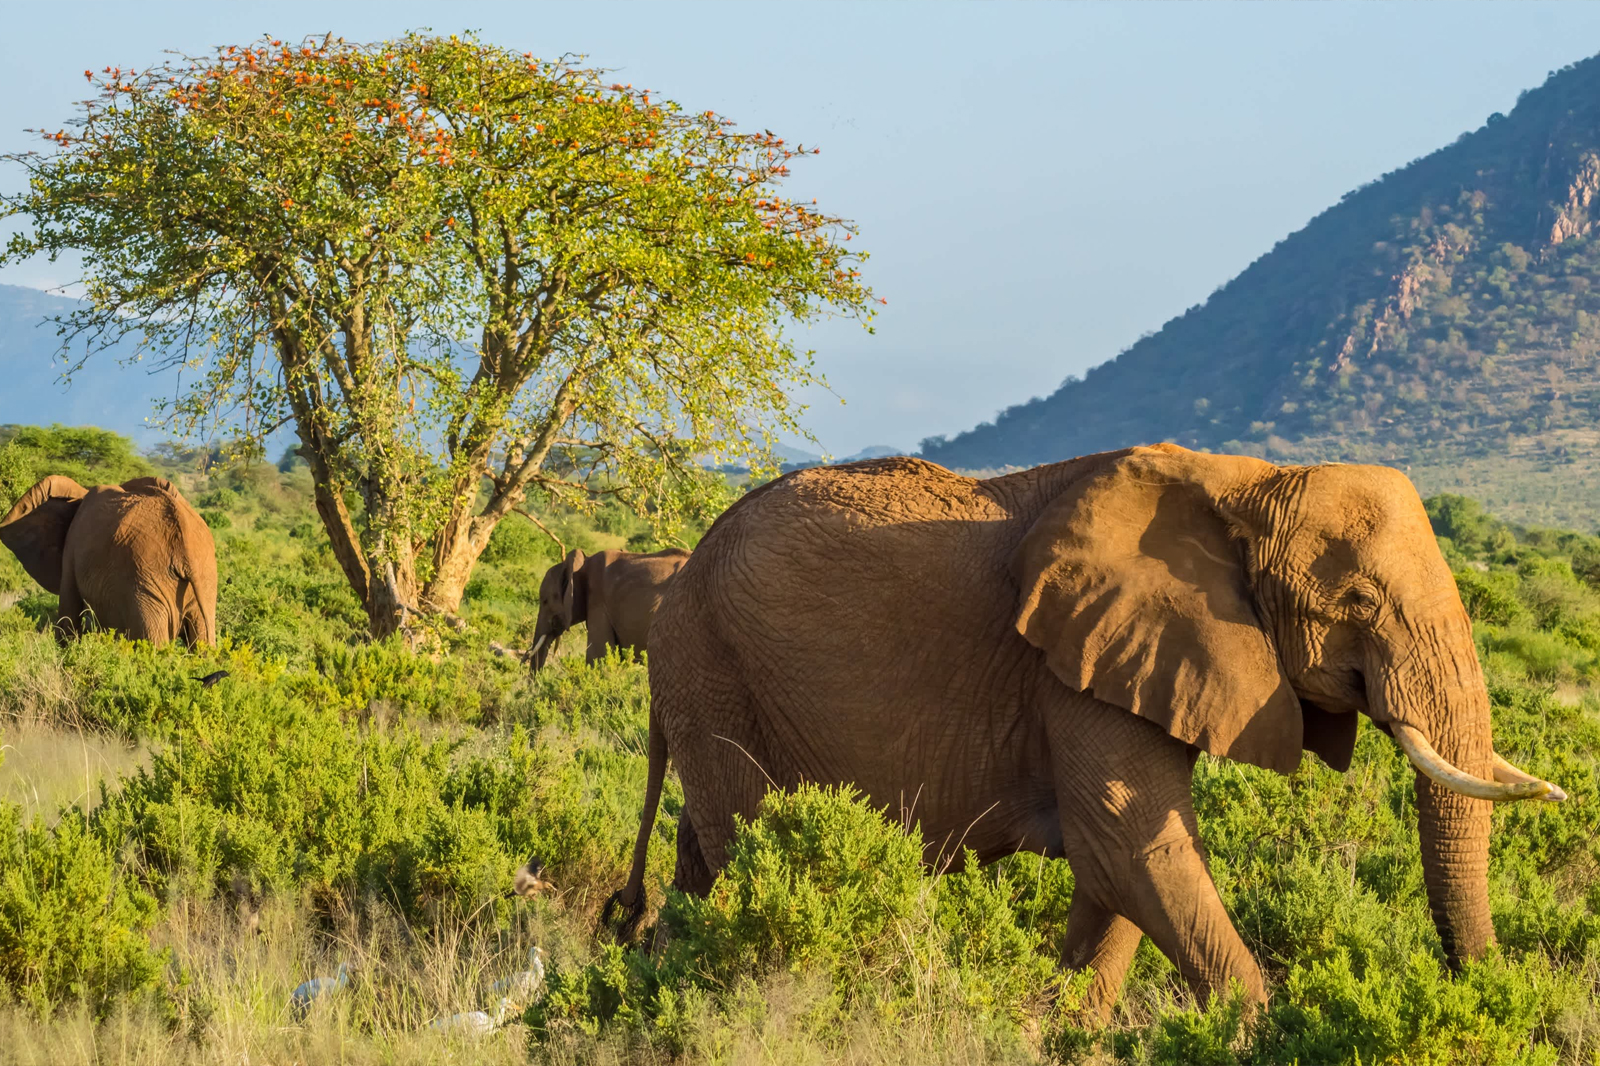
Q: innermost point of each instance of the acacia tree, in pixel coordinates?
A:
(462, 274)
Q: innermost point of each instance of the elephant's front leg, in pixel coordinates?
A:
(1129, 830)
(1098, 939)
(602, 635)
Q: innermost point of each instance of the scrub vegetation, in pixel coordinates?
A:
(176, 859)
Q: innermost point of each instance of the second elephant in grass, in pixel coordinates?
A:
(135, 557)
(615, 593)
(1035, 661)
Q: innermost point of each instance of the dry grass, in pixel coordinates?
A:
(35, 685)
(776, 1023)
(233, 1007)
(46, 766)
(233, 1004)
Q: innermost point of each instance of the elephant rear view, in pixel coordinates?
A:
(135, 555)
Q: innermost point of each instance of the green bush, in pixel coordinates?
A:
(1413, 1012)
(88, 455)
(819, 881)
(1538, 654)
(1490, 598)
(516, 540)
(822, 887)
(72, 925)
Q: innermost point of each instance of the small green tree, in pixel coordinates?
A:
(84, 453)
(450, 267)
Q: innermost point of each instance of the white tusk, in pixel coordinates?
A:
(1507, 774)
(1438, 770)
(537, 645)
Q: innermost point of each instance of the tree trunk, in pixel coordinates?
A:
(455, 554)
(393, 599)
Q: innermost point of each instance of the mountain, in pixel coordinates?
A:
(105, 394)
(874, 451)
(787, 453)
(1444, 319)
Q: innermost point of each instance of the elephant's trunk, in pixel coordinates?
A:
(1437, 708)
(1454, 830)
(546, 635)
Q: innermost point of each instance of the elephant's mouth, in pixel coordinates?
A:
(1510, 782)
(543, 642)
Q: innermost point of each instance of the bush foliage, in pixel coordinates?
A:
(380, 798)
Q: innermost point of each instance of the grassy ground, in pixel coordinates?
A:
(175, 860)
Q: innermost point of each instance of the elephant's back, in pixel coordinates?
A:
(151, 521)
(879, 505)
(866, 612)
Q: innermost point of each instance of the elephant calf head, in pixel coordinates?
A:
(563, 603)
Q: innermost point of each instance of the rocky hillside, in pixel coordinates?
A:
(1445, 319)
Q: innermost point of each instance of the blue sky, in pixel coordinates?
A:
(1038, 184)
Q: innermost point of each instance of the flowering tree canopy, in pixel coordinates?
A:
(463, 274)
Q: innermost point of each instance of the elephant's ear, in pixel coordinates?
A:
(36, 528)
(575, 586)
(1134, 585)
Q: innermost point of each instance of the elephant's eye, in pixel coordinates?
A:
(1360, 600)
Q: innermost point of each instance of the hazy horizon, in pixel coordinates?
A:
(1038, 185)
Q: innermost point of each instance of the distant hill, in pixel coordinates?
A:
(874, 451)
(105, 394)
(1444, 319)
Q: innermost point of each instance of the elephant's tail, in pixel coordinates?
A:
(631, 898)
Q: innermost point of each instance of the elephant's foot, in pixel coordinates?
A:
(630, 911)
(1103, 941)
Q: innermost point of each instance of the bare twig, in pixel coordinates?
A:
(544, 528)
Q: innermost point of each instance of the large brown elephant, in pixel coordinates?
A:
(136, 555)
(1035, 661)
(616, 593)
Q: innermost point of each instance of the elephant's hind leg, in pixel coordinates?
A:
(1131, 838)
(69, 603)
(711, 732)
(692, 874)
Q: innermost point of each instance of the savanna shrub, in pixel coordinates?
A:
(1490, 598)
(1412, 1012)
(254, 782)
(353, 678)
(72, 925)
(821, 886)
(516, 540)
(88, 455)
(819, 880)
